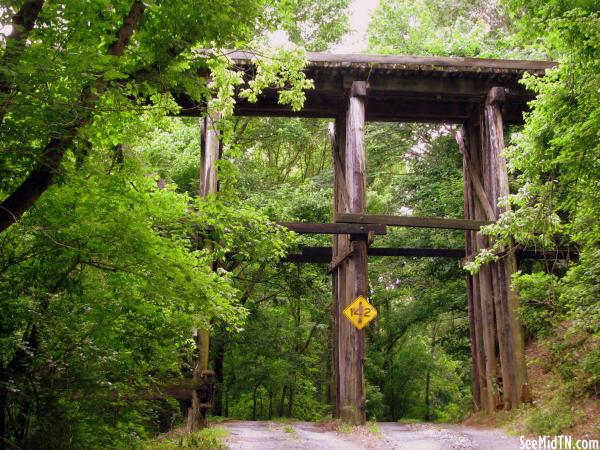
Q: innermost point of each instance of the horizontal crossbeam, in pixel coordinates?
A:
(531, 254)
(334, 228)
(325, 254)
(409, 221)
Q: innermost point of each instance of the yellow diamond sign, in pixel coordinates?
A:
(360, 312)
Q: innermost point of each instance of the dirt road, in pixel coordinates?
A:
(392, 436)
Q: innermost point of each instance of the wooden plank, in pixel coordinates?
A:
(209, 153)
(340, 258)
(210, 146)
(325, 254)
(392, 251)
(334, 228)
(550, 255)
(409, 106)
(419, 63)
(472, 296)
(337, 135)
(409, 221)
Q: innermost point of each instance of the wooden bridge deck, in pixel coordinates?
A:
(400, 88)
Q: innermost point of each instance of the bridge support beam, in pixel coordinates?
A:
(498, 365)
(350, 276)
(209, 155)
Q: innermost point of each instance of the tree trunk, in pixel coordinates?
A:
(270, 404)
(282, 402)
(218, 353)
(427, 406)
(290, 405)
(254, 402)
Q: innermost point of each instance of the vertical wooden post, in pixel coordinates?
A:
(510, 334)
(351, 276)
(209, 154)
(483, 323)
(472, 293)
(337, 133)
(210, 150)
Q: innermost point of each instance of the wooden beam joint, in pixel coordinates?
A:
(496, 95)
(340, 258)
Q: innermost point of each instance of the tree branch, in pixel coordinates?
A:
(38, 181)
(22, 24)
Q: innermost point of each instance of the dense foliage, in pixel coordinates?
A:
(104, 268)
(106, 271)
(556, 160)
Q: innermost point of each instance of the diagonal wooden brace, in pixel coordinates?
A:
(339, 259)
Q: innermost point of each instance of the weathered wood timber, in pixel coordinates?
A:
(472, 298)
(418, 63)
(410, 221)
(475, 211)
(470, 175)
(499, 371)
(333, 228)
(340, 258)
(550, 255)
(510, 333)
(337, 133)
(351, 273)
(209, 155)
(325, 254)
(401, 88)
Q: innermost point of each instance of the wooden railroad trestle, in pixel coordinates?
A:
(481, 95)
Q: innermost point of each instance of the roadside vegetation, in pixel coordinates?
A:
(104, 271)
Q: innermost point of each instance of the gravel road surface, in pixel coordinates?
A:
(393, 436)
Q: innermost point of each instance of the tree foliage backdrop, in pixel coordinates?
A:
(103, 264)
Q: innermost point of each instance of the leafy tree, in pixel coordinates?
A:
(555, 158)
(108, 61)
(103, 277)
(429, 27)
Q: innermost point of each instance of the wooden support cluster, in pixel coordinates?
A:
(498, 363)
(482, 95)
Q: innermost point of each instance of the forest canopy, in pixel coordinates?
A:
(104, 262)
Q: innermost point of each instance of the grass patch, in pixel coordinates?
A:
(218, 419)
(345, 428)
(552, 419)
(205, 439)
(407, 421)
(290, 430)
(374, 429)
(282, 419)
